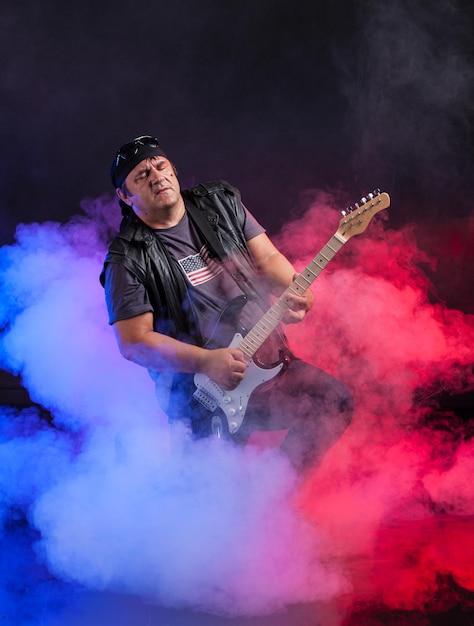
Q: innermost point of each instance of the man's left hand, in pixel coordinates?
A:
(298, 306)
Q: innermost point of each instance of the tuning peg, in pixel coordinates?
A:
(363, 200)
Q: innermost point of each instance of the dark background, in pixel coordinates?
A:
(280, 98)
(277, 97)
(248, 91)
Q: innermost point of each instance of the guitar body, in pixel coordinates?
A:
(233, 404)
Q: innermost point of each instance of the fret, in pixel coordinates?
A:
(297, 289)
(308, 270)
(247, 353)
(273, 313)
(321, 267)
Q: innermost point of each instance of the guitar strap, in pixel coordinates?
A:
(203, 223)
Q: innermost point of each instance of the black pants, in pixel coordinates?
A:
(315, 407)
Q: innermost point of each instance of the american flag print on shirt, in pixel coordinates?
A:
(199, 268)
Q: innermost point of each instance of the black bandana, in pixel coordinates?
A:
(130, 155)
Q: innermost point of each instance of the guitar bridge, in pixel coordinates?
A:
(206, 398)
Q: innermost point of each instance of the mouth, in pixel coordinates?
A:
(161, 190)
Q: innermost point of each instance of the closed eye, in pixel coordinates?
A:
(157, 162)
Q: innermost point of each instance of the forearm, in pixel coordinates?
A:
(277, 271)
(138, 342)
(159, 352)
(279, 274)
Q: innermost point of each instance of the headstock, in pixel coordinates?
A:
(356, 218)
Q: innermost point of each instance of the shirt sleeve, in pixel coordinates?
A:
(125, 295)
(252, 227)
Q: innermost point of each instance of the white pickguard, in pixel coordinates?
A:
(233, 403)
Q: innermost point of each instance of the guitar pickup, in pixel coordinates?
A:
(205, 398)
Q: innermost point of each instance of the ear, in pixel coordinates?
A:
(123, 196)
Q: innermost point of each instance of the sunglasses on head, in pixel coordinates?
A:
(130, 149)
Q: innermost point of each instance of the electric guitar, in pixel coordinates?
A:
(234, 403)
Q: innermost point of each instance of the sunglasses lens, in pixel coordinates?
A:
(130, 149)
(126, 152)
(146, 140)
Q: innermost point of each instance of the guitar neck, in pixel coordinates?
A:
(267, 324)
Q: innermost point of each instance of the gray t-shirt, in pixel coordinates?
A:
(210, 286)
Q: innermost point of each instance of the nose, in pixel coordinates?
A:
(154, 172)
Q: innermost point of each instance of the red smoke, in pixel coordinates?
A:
(394, 497)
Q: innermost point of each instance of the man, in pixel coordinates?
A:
(188, 270)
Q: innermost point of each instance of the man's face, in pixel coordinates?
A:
(152, 186)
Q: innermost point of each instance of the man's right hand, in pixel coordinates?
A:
(225, 366)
